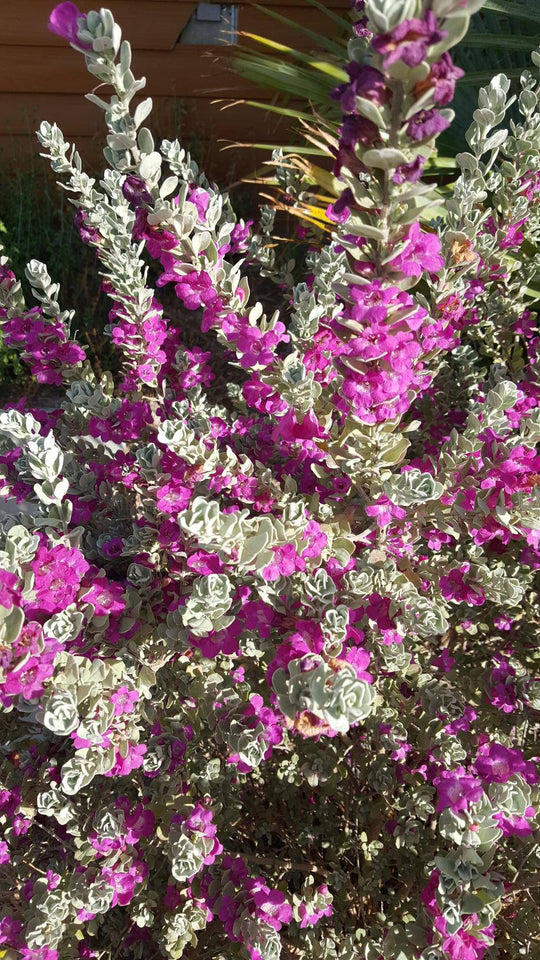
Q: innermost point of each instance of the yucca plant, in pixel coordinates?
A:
(299, 179)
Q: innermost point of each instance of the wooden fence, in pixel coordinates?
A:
(42, 78)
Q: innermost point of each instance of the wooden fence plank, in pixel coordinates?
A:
(22, 113)
(338, 5)
(147, 24)
(153, 24)
(226, 167)
(253, 21)
(184, 71)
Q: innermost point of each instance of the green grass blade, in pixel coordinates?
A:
(324, 43)
(480, 77)
(498, 40)
(286, 77)
(337, 73)
(341, 22)
(274, 108)
(515, 10)
(440, 163)
(301, 150)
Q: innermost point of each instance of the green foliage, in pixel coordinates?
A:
(37, 223)
(500, 37)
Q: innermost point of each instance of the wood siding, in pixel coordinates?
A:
(42, 78)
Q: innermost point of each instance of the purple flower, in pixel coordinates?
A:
(40, 953)
(514, 826)
(423, 252)
(271, 905)
(456, 790)
(64, 21)
(384, 511)
(497, 764)
(456, 587)
(124, 765)
(200, 199)
(9, 584)
(408, 41)
(285, 562)
(311, 912)
(195, 290)
(409, 172)
(426, 124)
(339, 212)
(240, 236)
(358, 130)
(354, 130)
(134, 190)
(124, 700)
(87, 234)
(112, 548)
(365, 82)
(442, 77)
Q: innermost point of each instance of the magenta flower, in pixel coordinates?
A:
(310, 913)
(423, 252)
(112, 548)
(200, 199)
(10, 930)
(10, 801)
(41, 953)
(515, 826)
(463, 945)
(240, 236)
(124, 765)
(291, 430)
(9, 593)
(456, 790)
(384, 511)
(455, 586)
(28, 681)
(340, 211)
(124, 700)
(252, 346)
(86, 233)
(364, 82)
(53, 879)
(172, 898)
(426, 124)
(139, 823)
(107, 597)
(409, 172)
(316, 538)
(286, 562)
(123, 885)
(64, 21)
(58, 572)
(146, 372)
(442, 77)
(409, 41)
(271, 905)
(496, 764)
(173, 498)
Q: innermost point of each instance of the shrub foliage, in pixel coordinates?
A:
(267, 677)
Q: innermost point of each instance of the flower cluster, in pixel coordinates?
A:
(251, 912)
(267, 665)
(41, 334)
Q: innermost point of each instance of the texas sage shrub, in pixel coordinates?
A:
(267, 664)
